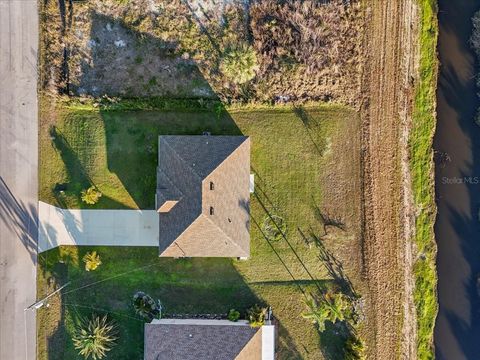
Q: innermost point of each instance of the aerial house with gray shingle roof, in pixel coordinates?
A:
(198, 339)
(203, 196)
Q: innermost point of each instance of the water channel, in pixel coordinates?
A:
(457, 146)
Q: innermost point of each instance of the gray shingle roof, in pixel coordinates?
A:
(201, 342)
(186, 167)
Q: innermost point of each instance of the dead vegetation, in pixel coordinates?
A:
(306, 50)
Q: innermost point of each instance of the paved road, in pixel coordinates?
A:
(18, 172)
(96, 227)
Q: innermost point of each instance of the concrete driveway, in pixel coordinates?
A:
(18, 177)
(96, 227)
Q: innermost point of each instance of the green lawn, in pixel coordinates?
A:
(295, 158)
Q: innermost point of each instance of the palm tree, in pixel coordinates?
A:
(94, 338)
(239, 64)
(317, 314)
(91, 195)
(333, 308)
(92, 261)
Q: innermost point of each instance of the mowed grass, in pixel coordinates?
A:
(424, 121)
(293, 150)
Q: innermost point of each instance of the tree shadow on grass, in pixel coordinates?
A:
(333, 266)
(19, 218)
(78, 179)
(52, 334)
(309, 125)
(287, 241)
(334, 338)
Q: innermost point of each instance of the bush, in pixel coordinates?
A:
(146, 307)
(233, 315)
(354, 348)
(332, 307)
(91, 195)
(239, 64)
(92, 261)
(94, 338)
(256, 316)
(274, 227)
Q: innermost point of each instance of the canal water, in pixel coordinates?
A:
(457, 146)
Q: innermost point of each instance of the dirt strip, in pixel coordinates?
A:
(389, 77)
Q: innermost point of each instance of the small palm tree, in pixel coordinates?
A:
(146, 307)
(91, 195)
(239, 64)
(92, 261)
(333, 308)
(94, 338)
(256, 316)
(317, 314)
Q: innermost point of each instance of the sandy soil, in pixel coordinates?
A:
(388, 214)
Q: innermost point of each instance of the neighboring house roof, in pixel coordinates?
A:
(203, 196)
(194, 339)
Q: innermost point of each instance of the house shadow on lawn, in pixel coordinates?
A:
(186, 287)
(132, 126)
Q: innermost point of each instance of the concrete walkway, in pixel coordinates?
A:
(95, 227)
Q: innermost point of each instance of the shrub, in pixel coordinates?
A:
(256, 316)
(92, 261)
(91, 195)
(233, 315)
(354, 348)
(333, 308)
(274, 227)
(239, 64)
(146, 307)
(94, 338)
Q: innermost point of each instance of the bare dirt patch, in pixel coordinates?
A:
(389, 217)
(305, 50)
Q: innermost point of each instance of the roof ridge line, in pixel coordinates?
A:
(224, 233)
(216, 226)
(169, 181)
(229, 155)
(174, 242)
(249, 341)
(181, 158)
